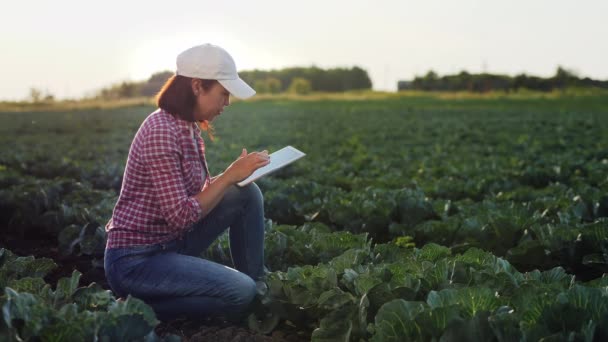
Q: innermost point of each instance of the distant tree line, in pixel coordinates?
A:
(295, 80)
(484, 82)
(129, 89)
(37, 96)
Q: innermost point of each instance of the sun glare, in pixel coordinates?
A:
(150, 57)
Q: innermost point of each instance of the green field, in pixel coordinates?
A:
(412, 217)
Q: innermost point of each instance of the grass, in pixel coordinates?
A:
(70, 105)
(357, 95)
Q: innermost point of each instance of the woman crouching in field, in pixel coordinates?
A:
(170, 209)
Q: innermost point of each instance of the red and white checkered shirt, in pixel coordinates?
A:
(166, 167)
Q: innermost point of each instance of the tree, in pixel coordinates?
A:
(35, 95)
(127, 89)
(300, 86)
(260, 86)
(270, 85)
(48, 97)
(564, 77)
(337, 79)
(427, 82)
(274, 85)
(155, 83)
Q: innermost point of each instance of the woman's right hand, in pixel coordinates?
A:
(246, 164)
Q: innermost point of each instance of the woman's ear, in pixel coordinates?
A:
(196, 86)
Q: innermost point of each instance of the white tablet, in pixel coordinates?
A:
(278, 159)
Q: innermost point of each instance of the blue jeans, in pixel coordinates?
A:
(175, 281)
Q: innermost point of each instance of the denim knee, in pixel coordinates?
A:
(251, 193)
(244, 291)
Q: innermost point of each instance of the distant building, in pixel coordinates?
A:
(404, 85)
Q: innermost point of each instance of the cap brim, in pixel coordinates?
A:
(238, 88)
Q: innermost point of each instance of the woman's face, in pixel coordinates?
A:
(211, 102)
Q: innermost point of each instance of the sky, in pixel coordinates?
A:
(72, 49)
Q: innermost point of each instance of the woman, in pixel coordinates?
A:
(170, 209)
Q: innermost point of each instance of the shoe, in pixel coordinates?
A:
(261, 288)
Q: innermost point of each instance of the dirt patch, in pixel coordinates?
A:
(46, 247)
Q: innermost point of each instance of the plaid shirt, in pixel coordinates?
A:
(166, 167)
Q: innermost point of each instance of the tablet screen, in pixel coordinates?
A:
(278, 159)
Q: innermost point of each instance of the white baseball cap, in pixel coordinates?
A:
(211, 62)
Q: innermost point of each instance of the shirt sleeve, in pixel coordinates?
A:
(161, 153)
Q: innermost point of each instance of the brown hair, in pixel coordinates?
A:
(177, 98)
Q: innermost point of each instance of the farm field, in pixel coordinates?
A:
(423, 217)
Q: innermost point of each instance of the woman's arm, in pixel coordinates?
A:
(159, 149)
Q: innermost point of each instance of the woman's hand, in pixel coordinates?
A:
(246, 164)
